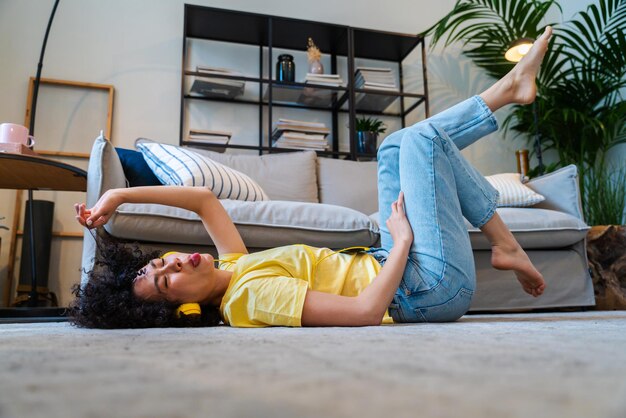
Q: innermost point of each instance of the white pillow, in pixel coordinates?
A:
(512, 192)
(176, 166)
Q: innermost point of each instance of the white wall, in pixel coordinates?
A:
(136, 45)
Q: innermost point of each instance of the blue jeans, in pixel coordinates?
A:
(440, 188)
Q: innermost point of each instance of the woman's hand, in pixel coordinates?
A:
(398, 224)
(369, 307)
(101, 212)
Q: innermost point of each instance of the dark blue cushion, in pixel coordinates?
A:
(136, 169)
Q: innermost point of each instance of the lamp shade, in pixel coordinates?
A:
(518, 49)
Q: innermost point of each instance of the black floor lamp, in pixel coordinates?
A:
(515, 53)
(33, 296)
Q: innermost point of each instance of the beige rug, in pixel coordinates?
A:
(532, 365)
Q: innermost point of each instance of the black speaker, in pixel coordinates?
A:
(43, 212)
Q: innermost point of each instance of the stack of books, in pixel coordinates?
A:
(379, 79)
(298, 134)
(204, 85)
(332, 80)
(375, 79)
(209, 137)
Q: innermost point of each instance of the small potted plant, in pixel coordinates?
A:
(367, 130)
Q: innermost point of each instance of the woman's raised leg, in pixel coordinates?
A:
(440, 188)
(518, 86)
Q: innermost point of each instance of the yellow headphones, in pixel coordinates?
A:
(188, 309)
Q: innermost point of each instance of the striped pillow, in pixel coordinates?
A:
(176, 166)
(512, 192)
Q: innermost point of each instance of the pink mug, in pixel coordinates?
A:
(17, 134)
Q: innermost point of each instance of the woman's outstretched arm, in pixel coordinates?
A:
(197, 199)
(323, 309)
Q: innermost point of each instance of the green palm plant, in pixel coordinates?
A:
(580, 104)
(495, 24)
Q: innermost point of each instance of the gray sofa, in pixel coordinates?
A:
(332, 203)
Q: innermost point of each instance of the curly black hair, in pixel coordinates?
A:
(107, 300)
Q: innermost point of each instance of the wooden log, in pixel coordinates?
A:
(606, 250)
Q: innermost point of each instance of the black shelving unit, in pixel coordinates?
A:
(274, 32)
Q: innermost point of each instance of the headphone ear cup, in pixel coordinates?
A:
(188, 309)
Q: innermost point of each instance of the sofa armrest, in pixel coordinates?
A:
(561, 190)
(104, 172)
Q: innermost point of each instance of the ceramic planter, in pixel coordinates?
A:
(366, 142)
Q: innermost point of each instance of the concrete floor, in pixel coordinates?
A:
(526, 365)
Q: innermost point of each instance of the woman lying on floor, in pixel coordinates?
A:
(424, 271)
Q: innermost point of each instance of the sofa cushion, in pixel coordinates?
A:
(352, 184)
(533, 228)
(261, 224)
(136, 170)
(177, 166)
(286, 176)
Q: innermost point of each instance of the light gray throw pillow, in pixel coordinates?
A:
(352, 184)
(287, 176)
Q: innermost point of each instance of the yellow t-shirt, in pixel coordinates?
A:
(268, 287)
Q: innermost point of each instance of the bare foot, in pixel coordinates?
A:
(514, 258)
(518, 86)
(524, 73)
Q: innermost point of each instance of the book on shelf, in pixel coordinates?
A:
(323, 83)
(216, 87)
(217, 140)
(209, 136)
(289, 145)
(374, 76)
(369, 86)
(303, 129)
(376, 86)
(333, 80)
(299, 130)
(375, 69)
(382, 72)
(205, 69)
(287, 140)
(304, 136)
(375, 79)
(276, 133)
(209, 132)
(286, 122)
(213, 87)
